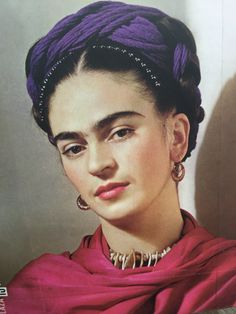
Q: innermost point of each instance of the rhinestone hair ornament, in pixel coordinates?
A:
(44, 86)
(131, 26)
(139, 32)
(140, 63)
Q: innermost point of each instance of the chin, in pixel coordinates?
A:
(119, 211)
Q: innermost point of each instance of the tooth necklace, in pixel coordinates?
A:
(136, 259)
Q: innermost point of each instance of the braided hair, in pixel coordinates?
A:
(118, 37)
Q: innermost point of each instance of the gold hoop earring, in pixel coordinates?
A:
(81, 203)
(178, 172)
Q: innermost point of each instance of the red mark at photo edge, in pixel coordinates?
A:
(2, 307)
(3, 293)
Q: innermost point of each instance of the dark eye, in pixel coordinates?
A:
(121, 134)
(73, 150)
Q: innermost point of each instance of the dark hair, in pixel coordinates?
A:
(178, 84)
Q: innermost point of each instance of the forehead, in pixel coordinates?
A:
(86, 97)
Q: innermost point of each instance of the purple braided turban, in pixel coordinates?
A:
(129, 25)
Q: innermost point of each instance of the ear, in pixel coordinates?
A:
(180, 134)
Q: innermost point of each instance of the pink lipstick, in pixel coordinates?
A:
(111, 190)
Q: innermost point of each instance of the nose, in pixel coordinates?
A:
(101, 161)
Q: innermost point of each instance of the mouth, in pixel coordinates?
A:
(111, 190)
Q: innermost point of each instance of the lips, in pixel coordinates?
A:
(111, 190)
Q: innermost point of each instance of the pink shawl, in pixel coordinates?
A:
(198, 274)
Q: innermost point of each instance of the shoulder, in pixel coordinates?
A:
(36, 270)
(205, 252)
(52, 269)
(32, 287)
(223, 255)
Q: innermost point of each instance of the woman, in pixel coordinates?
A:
(115, 87)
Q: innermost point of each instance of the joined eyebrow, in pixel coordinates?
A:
(109, 119)
(64, 136)
(99, 125)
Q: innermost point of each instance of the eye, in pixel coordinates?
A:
(73, 150)
(122, 134)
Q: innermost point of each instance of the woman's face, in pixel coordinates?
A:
(114, 147)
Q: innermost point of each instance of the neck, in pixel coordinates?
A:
(150, 230)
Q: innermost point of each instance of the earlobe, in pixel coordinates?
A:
(180, 135)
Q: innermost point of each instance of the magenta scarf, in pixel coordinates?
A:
(198, 274)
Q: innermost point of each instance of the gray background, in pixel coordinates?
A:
(37, 206)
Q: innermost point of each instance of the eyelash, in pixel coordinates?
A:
(128, 132)
(69, 152)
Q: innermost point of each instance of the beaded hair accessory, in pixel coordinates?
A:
(140, 63)
(45, 83)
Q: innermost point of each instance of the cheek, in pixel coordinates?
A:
(147, 158)
(75, 174)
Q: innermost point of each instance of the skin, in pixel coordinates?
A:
(99, 142)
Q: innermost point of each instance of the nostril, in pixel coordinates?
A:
(101, 165)
(104, 171)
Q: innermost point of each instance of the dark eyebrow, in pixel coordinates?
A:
(64, 136)
(109, 119)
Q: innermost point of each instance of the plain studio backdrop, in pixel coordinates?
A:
(38, 210)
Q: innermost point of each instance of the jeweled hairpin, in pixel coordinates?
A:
(131, 55)
(138, 60)
(44, 86)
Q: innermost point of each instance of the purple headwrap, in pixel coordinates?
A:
(164, 42)
(129, 25)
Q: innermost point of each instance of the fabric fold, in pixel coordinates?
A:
(198, 274)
